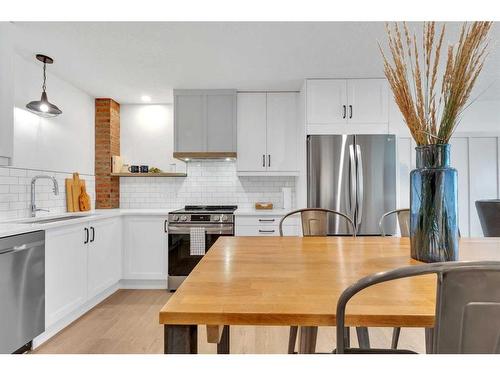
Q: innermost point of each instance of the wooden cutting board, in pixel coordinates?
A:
(74, 189)
(84, 199)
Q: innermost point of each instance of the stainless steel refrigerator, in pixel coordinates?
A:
(353, 174)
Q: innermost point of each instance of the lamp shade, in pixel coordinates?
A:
(43, 107)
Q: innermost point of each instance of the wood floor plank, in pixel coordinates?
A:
(127, 323)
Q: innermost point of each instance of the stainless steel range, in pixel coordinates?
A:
(191, 232)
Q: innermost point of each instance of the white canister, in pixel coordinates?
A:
(287, 198)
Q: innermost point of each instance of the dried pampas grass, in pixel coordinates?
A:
(415, 74)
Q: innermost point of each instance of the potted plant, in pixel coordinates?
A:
(431, 95)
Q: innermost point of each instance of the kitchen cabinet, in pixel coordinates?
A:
(204, 123)
(267, 134)
(81, 261)
(6, 93)
(104, 255)
(265, 225)
(339, 106)
(65, 271)
(145, 248)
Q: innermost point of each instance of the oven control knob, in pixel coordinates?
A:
(175, 218)
(216, 218)
(184, 218)
(224, 218)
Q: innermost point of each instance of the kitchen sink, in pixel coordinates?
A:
(52, 219)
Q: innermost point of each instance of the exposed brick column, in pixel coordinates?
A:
(107, 144)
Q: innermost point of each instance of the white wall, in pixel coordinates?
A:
(147, 136)
(64, 143)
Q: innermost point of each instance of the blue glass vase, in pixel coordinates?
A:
(434, 206)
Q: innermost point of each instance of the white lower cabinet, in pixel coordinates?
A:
(104, 255)
(145, 248)
(65, 271)
(265, 225)
(81, 262)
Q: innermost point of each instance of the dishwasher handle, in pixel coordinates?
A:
(17, 248)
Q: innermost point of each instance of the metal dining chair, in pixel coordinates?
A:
(315, 223)
(467, 319)
(403, 216)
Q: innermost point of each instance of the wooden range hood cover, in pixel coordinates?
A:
(187, 156)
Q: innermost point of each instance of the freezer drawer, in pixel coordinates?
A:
(22, 289)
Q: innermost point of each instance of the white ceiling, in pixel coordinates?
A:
(125, 60)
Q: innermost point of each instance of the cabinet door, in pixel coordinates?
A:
(282, 132)
(65, 271)
(251, 123)
(6, 93)
(367, 101)
(145, 248)
(326, 100)
(189, 123)
(104, 255)
(221, 122)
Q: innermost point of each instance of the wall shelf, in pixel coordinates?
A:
(162, 174)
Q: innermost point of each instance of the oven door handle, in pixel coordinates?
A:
(209, 229)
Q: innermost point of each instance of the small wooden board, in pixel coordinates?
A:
(72, 199)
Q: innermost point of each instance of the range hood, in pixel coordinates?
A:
(205, 124)
(193, 156)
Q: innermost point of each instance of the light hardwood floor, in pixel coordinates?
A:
(127, 322)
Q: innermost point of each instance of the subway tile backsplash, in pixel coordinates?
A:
(15, 192)
(208, 182)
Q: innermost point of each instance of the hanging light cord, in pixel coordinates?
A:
(44, 77)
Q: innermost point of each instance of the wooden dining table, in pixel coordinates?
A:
(296, 281)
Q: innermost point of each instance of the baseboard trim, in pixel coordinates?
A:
(74, 315)
(143, 284)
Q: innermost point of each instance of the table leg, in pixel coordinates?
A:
(429, 340)
(223, 345)
(180, 339)
(307, 344)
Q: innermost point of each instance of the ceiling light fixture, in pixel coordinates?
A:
(43, 107)
(146, 98)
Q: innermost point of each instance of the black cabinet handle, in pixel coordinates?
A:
(263, 161)
(93, 234)
(86, 236)
(344, 111)
(350, 111)
(268, 160)
(165, 226)
(266, 231)
(266, 220)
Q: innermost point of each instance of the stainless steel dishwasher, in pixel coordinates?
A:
(22, 290)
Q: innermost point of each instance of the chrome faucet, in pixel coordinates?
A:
(33, 181)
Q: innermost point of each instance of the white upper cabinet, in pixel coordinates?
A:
(281, 132)
(326, 101)
(6, 93)
(267, 134)
(251, 125)
(339, 106)
(367, 101)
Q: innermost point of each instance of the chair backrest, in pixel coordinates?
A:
(403, 215)
(467, 305)
(315, 221)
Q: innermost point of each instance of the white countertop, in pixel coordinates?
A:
(19, 226)
(254, 212)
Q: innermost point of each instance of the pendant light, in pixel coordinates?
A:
(43, 107)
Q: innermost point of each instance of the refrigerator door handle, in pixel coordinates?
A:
(359, 183)
(352, 182)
